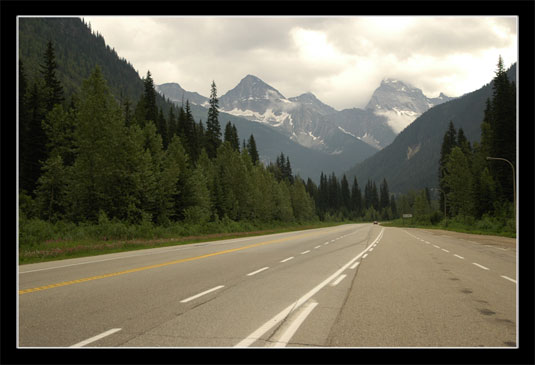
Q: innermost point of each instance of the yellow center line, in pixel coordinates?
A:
(64, 283)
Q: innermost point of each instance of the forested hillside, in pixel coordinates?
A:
(411, 161)
(77, 51)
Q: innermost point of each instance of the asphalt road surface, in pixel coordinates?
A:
(355, 285)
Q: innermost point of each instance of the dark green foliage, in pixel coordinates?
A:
(474, 187)
(231, 136)
(252, 150)
(213, 128)
(53, 91)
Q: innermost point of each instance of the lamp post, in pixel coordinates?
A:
(445, 216)
(514, 180)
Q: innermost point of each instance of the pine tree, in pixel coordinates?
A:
(384, 198)
(345, 195)
(53, 91)
(35, 141)
(458, 181)
(231, 136)
(213, 128)
(503, 142)
(356, 199)
(448, 143)
(253, 152)
(149, 97)
(163, 129)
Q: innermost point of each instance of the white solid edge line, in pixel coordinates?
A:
(255, 335)
(257, 271)
(481, 266)
(337, 281)
(96, 338)
(287, 259)
(201, 294)
(290, 331)
(508, 278)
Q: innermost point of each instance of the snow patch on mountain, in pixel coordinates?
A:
(398, 120)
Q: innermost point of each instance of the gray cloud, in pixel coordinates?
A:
(340, 59)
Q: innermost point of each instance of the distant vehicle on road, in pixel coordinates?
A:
(375, 222)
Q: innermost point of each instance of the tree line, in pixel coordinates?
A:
(472, 185)
(95, 156)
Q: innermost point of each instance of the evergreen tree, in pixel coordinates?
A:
(448, 143)
(503, 142)
(231, 136)
(393, 207)
(384, 198)
(149, 97)
(163, 129)
(458, 180)
(356, 199)
(253, 152)
(213, 128)
(35, 140)
(24, 131)
(345, 195)
(172, 124)
(104, 173)
(53, 91)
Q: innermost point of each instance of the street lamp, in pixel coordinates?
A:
(445, 216)
(514, 181)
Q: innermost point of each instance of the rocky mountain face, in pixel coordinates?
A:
(401, 103)
(175, 93)
(313, 124)
(411, 160)
(344, 137)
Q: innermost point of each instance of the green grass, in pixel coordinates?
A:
(41, 241)
(485, 226)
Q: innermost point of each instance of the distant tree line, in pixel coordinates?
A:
(472, 185)
(95, 156)
(335, 199)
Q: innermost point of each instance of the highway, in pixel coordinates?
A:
(354, 285)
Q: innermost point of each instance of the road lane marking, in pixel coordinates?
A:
(462, 258)
(337, 281)
(364, 256)
(445, 250)
(137, 269)
(427, 242)
(508, 278)
(436, 246)
(259, 332)
(304, 252)
(286, 336)
(481, 266)
(354, 265)
(371, 249)
(201, 294)
(318, 246)
(288, 259)
(257, 271)
(96, 338)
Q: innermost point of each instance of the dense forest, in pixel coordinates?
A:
(96, 152)
(477, 181)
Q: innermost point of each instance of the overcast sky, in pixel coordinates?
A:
(342, 60)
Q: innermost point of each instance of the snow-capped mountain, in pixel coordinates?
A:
(313, 124)
(401, 103)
